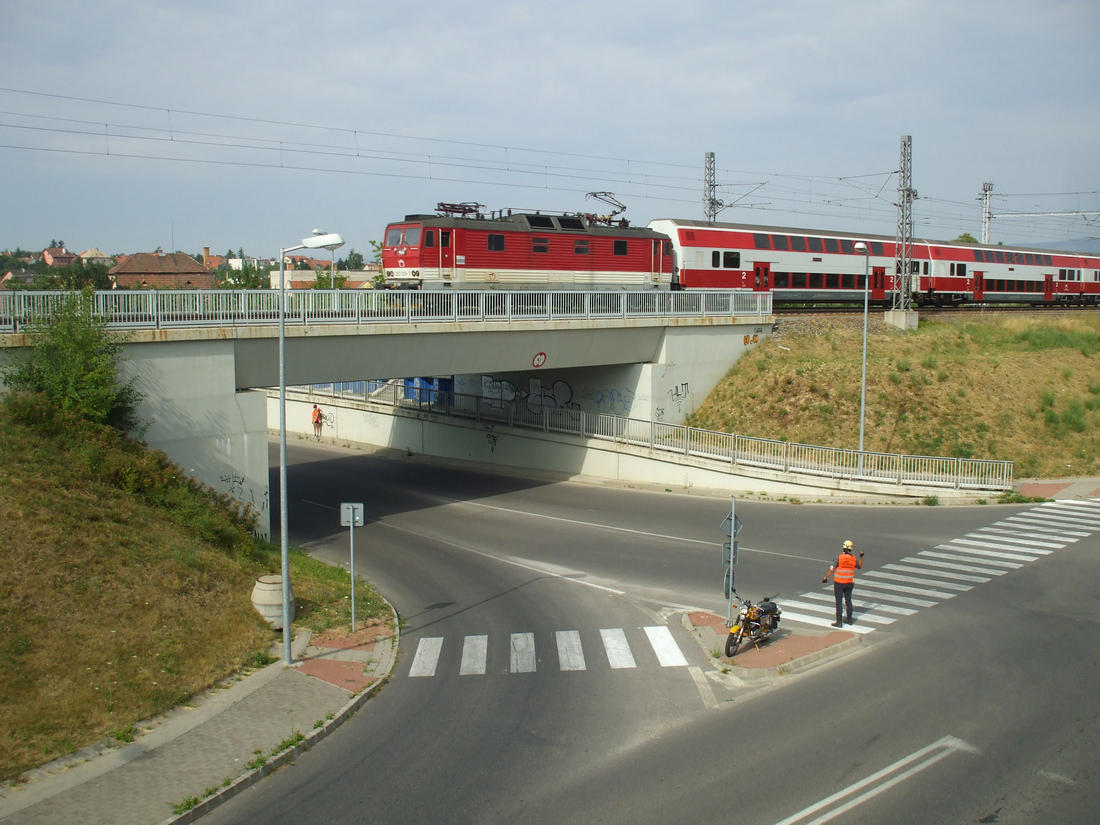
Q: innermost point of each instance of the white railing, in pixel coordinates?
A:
(719, 450)
(159, 309)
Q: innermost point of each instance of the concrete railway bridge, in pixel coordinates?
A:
(635, 363)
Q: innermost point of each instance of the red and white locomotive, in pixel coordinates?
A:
(461, 249)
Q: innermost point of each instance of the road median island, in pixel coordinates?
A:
(788, 651)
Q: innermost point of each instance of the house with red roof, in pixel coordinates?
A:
(160, 270)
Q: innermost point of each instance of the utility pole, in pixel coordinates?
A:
(711, 205)
(987, 214)
(902, 298)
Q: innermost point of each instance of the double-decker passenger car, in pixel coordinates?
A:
(522, 251)
(808, 265)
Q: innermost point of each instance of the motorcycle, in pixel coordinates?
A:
(755, 622)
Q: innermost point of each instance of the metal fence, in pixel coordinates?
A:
(159, 309)
(718, 450)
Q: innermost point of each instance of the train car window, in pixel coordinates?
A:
(815, 244)
(978, 256)
(1029, 258)
(781, 280)
(998, 256)
(731, 259)
(580, 246)
(761, 241)
(429, 239)
(1048, 261)
(798, 243)
(570, 223)
(393, 236)
(781, 242)
(847, 246)
(496, 242)
(715, 259)
(620, 246)
(798, 280)
(412, 235)
(832, 245)
(540, 244)
(815, 280)
(540, 221)
(445, 238)
(877, 248)
(848, 280)
(832, 280)
(926, 267)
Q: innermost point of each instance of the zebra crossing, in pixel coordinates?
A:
(656, 644)
(898, 589)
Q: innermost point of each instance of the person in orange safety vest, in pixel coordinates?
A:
(843, 571)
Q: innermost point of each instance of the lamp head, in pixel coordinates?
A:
(328, 241)
(860, 247)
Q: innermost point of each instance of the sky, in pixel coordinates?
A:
(246, 124)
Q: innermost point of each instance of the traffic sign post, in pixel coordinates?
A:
(351, 516)
(731, 526)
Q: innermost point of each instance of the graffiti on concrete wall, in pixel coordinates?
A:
(679, 395)
(238, 488)
(535, 397)
(612, 401)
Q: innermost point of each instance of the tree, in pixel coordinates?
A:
(325, 280)
(73, 363)
(966, 237)
(354, 260)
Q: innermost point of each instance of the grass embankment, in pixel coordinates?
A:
(1020, 389)
(124, 588)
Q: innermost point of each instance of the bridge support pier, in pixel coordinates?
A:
(198, 418)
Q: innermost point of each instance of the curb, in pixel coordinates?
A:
(387, 660)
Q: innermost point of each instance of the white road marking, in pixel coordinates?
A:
(875, 784)
(427, 656)
(668, 652)
(617, 648)
(705, 691)
(522, 655)
(935, 570)
(475, 650)
(886, 573)
(570, 654)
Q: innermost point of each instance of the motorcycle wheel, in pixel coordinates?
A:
(733, 641)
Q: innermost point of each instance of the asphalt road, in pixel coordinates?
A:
(981, 709)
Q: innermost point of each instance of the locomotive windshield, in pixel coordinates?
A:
(411, 233)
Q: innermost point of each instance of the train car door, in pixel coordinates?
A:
(446, 255)
(878, 283)
(1048, 287)
(762, 276)
(979, 286)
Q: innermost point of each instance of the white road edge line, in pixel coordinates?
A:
(946, 746)
(705, 692)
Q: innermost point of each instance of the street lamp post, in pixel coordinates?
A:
(319, 240)
(862, 247)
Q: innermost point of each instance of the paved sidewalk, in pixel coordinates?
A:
(215, 746)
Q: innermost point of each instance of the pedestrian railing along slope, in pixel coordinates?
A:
(159, 309)
(721, 451)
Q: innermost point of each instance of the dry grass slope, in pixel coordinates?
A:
(114, 608)
(1025, 389)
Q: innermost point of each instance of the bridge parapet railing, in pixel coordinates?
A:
(721, 450)
(165, 308)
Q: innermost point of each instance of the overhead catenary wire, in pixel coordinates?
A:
(290, 145)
